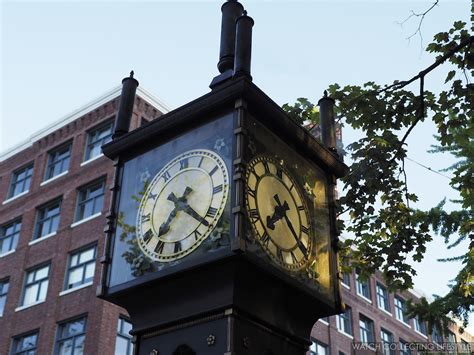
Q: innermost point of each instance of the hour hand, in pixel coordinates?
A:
(165, 226)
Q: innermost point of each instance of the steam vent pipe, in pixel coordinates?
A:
(327, 122)
(125, 111)
(243, 45)
(231, 10)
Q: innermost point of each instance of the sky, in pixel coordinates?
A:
(57, 56)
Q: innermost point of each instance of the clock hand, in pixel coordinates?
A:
(288, 222)
(165, 226)
(280, 211)
(190, 211)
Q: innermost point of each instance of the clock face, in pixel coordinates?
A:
(278, 213)
(181, 205)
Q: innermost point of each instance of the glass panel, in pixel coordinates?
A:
(65, 347)
(79, 345)
(42, 273)
(90, 268)
(121, 345)
(76, 327)
(3, 300)
(30, 294)
(86, 255)
(75, 277)
(127, 327)
(43, 290)
(74, 259)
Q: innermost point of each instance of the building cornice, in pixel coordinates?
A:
(108, 96)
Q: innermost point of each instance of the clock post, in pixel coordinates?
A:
(221, 233)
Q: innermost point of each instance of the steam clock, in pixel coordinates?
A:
(221, 233)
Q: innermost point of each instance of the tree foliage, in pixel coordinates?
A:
(385, 226)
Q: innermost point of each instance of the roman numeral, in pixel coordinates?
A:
(251, 192)
(217, 189)
(152, 196)
(301, 208)
(177, 247)
(305, 230)
(211, 212)
(147, 236)
(166, 176)
(146, 218)
(197, 234)
(253, 214)
(213, 170)
(266, 167)
(252, 171)
(183, 164)
(265, 238)
(280, 254)
(293, 256)
(279, 173)
(159, 247)
(200, 162)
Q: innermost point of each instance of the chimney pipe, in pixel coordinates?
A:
(243, 46)
(327, 122)
(231, 10)
(127, 100)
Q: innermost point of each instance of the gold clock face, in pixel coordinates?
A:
(182, 205)
(278, 213)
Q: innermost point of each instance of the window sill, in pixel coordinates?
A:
(92, 159)
(421, 334)
(35, 241)
(7, 253)
(346, 286)
(87, 219)
(15, 197)
(405, 324)
(344, 333)
(77, 288)
(54, 178)
(28, 305)
(385, 311)
(323, 321)
(364, 298)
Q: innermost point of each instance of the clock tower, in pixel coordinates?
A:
(221, 234)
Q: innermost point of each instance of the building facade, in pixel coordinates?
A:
(53, 200)
(377, 317)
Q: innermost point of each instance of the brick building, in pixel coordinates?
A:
(53, 200)
(373, 315)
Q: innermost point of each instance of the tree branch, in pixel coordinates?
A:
(422, 15)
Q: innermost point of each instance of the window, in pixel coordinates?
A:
(404, 348)
(47, 219)
(344, 321)
(70, 337)
(317, 348)
(90, 200)
(400, 311)
(25, 344)
(9, 234)
(346, 279)
(420, 326)
(387, 342)
(96, 138)
(123, 343)
(81, 268)
(382, 298)
(465, 347)
(451, 346)
(58, 161)
(36, 285)
(436, 336)
(20, 182)
(366, 330)
(3, 295)
(363, 287)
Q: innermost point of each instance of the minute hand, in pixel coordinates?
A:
(190, 211)
(298, 241)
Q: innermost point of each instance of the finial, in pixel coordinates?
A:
(325, 93)
(131, 74)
